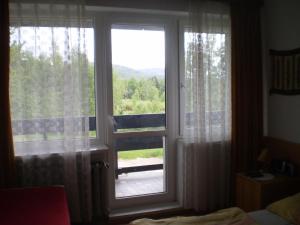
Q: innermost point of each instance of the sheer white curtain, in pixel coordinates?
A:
(207, 111)
(50, 98)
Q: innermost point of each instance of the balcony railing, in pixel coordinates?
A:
(122, 123)
(131, 123)
(45, 127)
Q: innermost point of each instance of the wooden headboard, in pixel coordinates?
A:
(285, 150)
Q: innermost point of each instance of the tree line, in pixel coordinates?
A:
(37, 85)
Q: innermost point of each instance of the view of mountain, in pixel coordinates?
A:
(126, 72)
(153, 71)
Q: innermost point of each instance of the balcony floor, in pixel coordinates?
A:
(139, 183)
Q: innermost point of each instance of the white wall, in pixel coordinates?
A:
(282, 32)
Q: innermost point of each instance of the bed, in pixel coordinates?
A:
(265, 217)
(284, 211)
(230, 216)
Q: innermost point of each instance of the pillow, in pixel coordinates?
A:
(288, 208)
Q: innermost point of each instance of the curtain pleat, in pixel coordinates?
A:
(7, 166)
(247, 125)
(205, 153)
(50, 98)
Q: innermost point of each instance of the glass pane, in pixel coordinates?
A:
(211, 48)
(37, 54)
(139, 171)
(138, 57)
(139, 104)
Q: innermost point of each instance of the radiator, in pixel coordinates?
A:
(99, 191)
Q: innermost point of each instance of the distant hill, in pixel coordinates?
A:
(127, 73)
(153, 72)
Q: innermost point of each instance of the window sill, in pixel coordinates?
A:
(99, 153)
(123, 216)
(137, 211)
(100, 147)
(95, 151)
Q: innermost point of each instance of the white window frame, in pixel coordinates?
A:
(103, 23)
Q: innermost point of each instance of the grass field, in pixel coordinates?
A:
(145, 153)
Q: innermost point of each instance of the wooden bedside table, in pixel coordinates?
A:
(252, 194)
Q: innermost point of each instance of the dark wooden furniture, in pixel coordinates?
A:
(252, 194)
(284, 150)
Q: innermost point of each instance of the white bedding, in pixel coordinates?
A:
(264, 217)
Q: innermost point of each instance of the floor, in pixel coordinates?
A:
(139, 183)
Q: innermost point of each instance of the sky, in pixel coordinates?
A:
(137, 49)
(40, 40)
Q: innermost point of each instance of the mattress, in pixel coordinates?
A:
(264, 217)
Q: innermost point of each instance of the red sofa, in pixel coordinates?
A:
(34, 206)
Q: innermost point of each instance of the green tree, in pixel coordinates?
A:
(38, 85)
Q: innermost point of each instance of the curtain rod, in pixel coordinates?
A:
(136, 10)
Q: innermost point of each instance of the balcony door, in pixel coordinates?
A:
(143, 113)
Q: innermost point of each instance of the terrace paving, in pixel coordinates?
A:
(139, 183)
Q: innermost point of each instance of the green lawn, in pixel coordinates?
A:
(146, 153)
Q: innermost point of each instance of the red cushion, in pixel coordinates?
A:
(34, 206)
